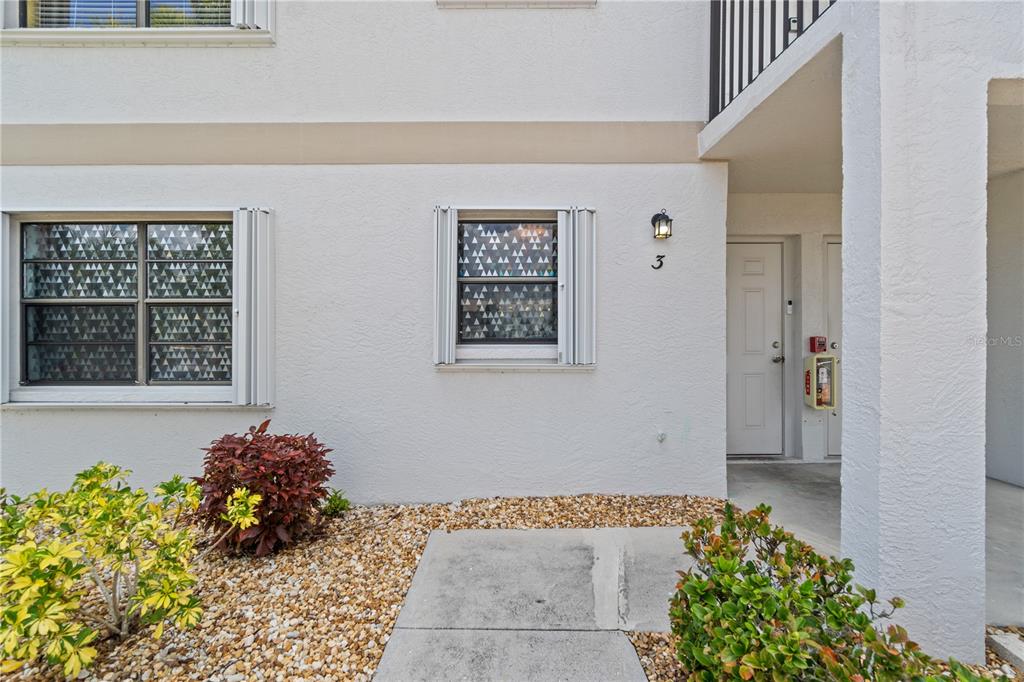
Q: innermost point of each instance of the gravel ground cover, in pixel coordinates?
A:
(655, 650)
(324, 609)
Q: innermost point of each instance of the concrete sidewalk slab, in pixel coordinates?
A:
(550, 579)
(432, 655)
(497, 579)
(538, 604)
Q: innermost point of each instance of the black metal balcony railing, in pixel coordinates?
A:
(747, 36)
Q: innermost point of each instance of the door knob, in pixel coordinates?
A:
(834, 345)
(779, 358)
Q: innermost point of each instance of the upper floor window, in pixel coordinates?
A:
(124, 13)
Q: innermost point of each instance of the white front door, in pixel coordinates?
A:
(834, 329)
(754, 349)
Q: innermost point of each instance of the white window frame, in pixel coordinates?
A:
(576, 294)
(252, 26)
(252, 373)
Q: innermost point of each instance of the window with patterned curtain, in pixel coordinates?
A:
(508, 282)
(126, 303)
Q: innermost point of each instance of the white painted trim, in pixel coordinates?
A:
(253, 308)
(7, 307)
(446, 225)
(122, 214)
(513, 367)
(507, 351)
(577, 286)
(516, 4)
(122, 394)
(136, 37)
(195, 405)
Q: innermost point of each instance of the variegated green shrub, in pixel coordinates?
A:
(100, 535)
(760, 605)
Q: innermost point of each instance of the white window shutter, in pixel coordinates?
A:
(7, 308)
(253, 14)
(253, 298)
(577, 265)
(446, 228)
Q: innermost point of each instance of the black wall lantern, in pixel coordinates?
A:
(662, 225)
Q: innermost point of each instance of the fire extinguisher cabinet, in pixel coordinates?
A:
(821, 390)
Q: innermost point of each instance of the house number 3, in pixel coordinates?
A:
(661, 262)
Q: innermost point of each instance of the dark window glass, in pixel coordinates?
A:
(508, 282)
(87, 317)
(80, 343)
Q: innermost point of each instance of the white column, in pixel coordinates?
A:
(915, 170)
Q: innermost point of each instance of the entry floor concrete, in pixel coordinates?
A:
(553, 604)
(806, 500)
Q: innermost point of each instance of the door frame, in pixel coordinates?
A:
(828, 241)
(786, 244)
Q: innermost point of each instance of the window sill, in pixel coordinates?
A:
(136, 37)
(512, 366)
(63, 405)
(122, 395)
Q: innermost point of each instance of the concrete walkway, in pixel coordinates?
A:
(805, 499)
(533, 604)
(553, 604)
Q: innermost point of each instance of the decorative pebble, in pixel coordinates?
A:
(276, 618)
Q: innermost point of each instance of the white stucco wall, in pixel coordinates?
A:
(354, 325)
(1004, 417)
(388, 61)
(806, 223)
(915, 79)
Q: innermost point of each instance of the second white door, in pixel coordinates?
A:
(754, 350)
(834, 309)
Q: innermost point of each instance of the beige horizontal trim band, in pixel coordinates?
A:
(60, 144)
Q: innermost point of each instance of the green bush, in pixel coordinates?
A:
(760, 605)
(100, 536)
(335, 504)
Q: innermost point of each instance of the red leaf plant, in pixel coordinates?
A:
(288, 471)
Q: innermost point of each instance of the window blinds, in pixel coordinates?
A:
(253, 302)
(80, 13)
(577, 265)
(128, 13)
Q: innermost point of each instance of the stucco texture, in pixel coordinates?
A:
(354, 329)
(915, 79)
(388, 61)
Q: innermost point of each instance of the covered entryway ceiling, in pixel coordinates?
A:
(792, 141)
(1005, 126)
